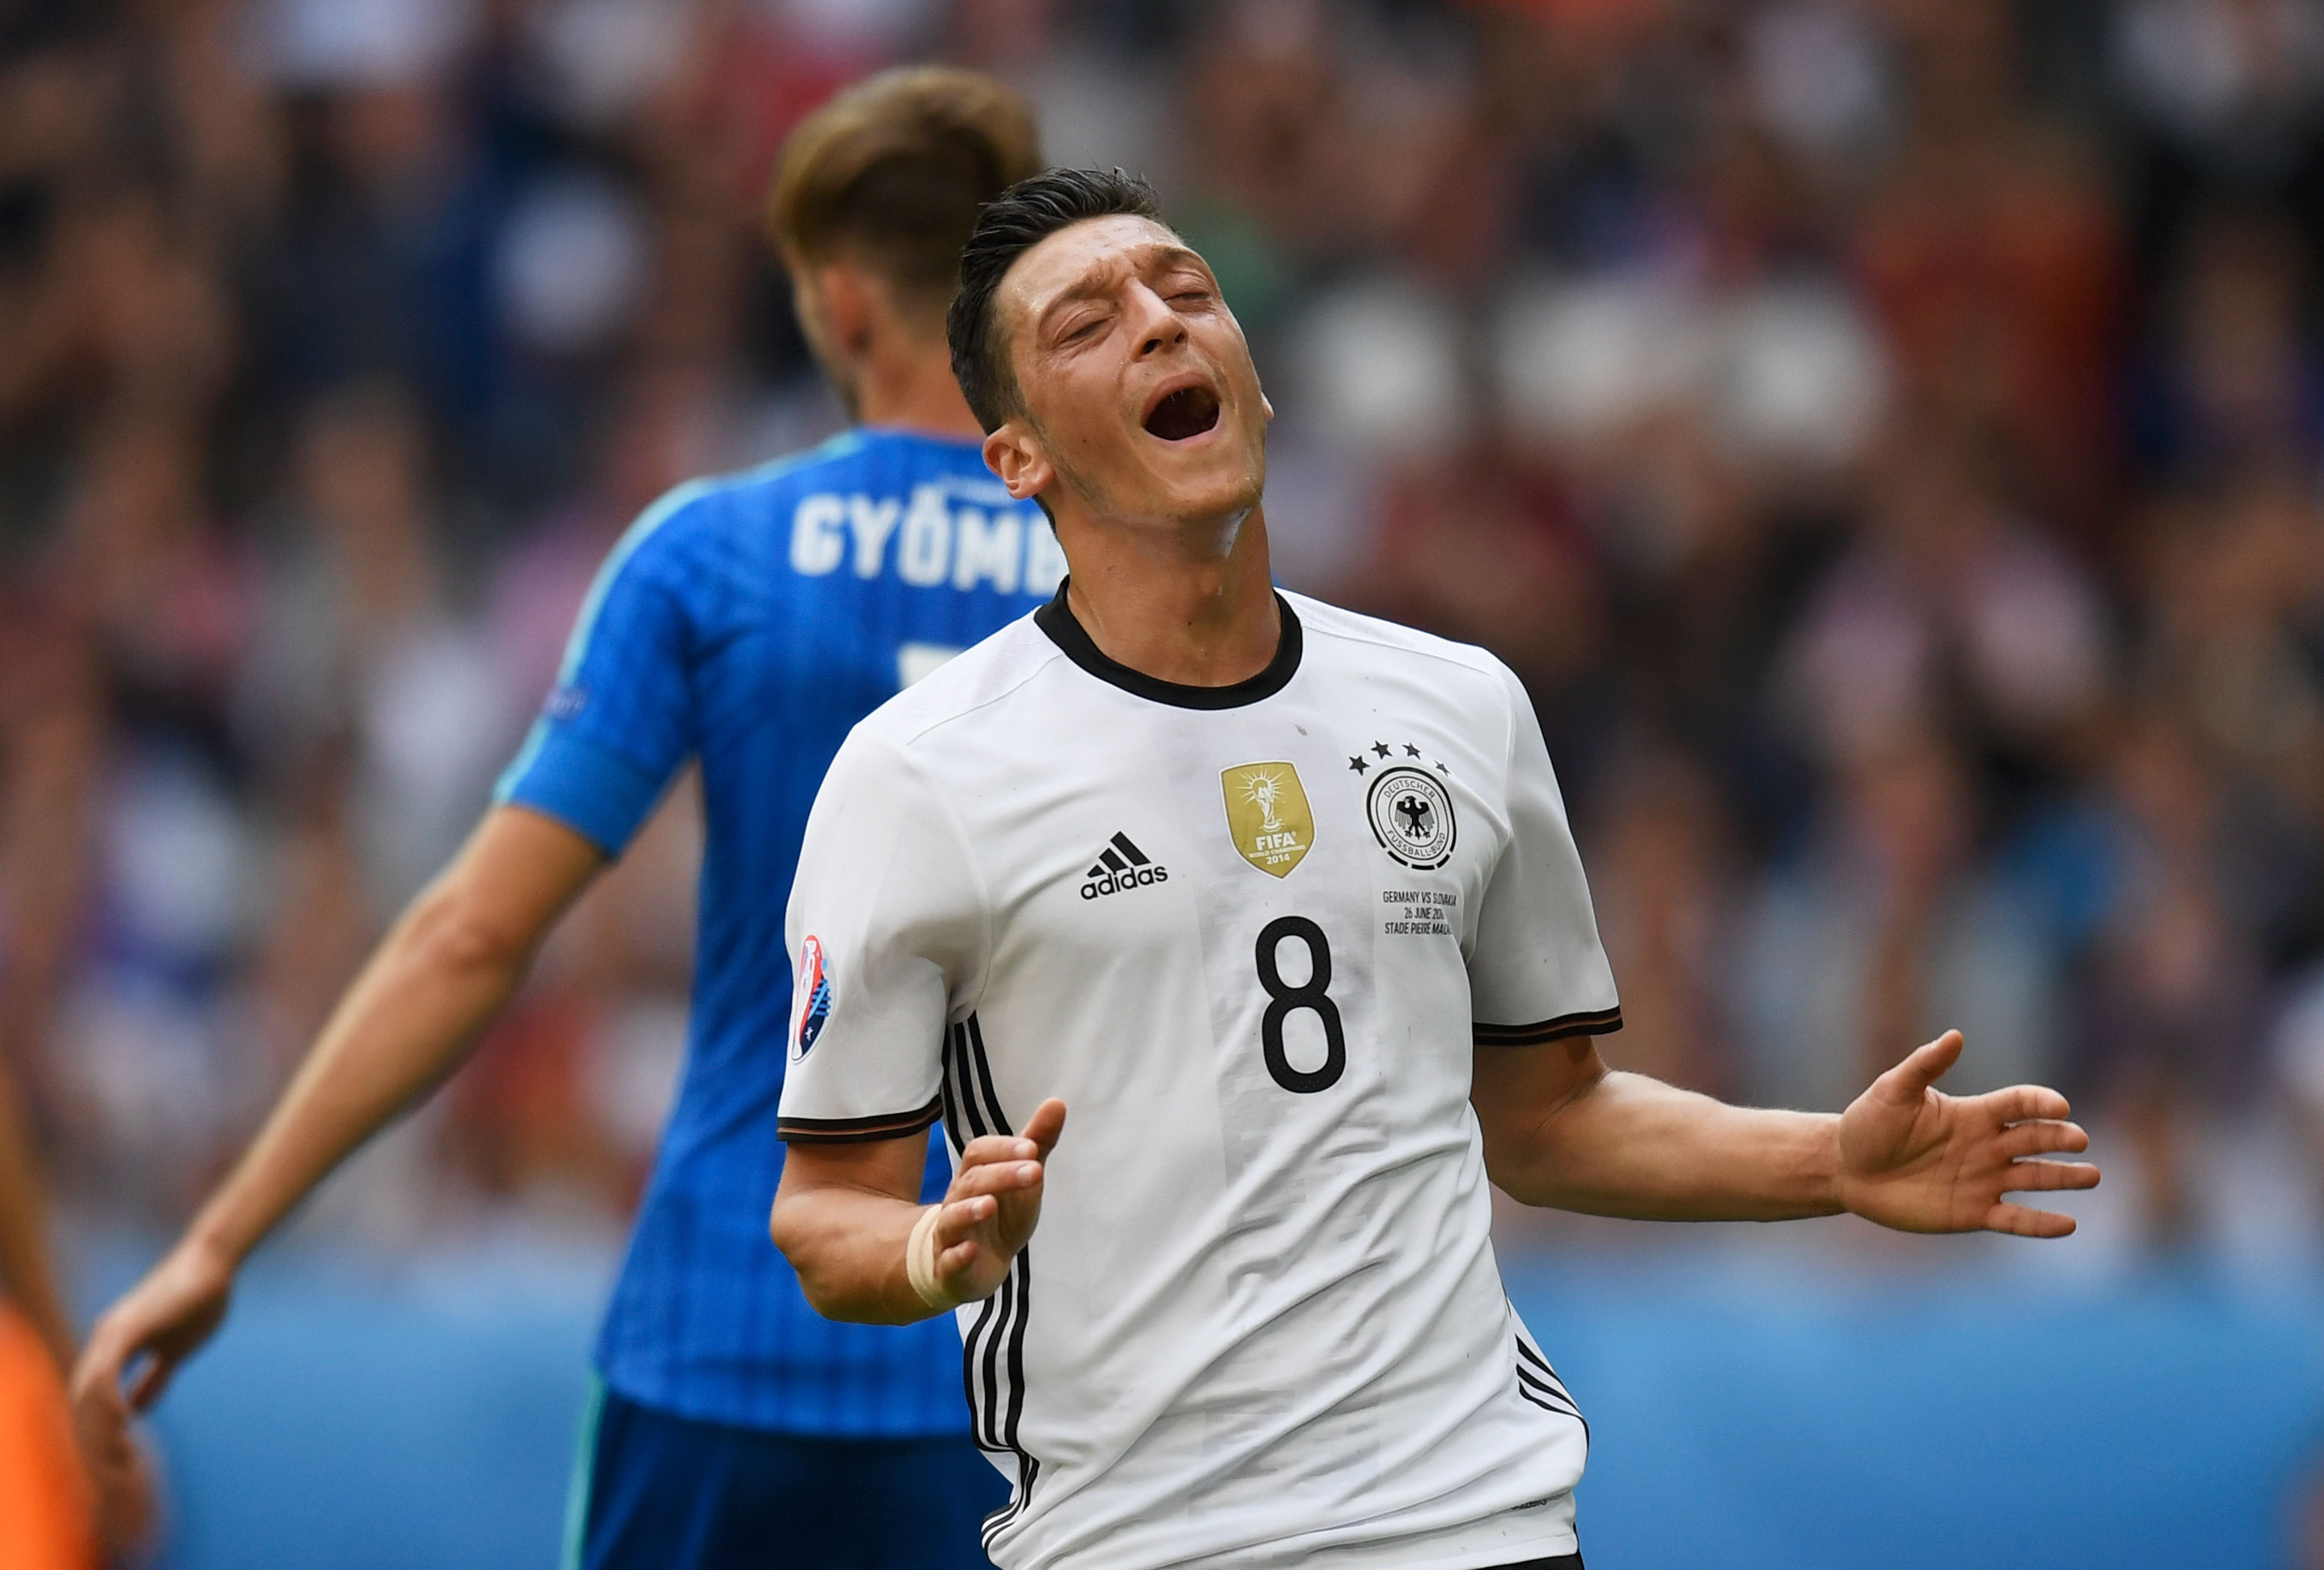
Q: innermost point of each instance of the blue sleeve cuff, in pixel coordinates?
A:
(597, 793)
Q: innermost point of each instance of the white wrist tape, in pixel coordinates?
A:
(920, 1261)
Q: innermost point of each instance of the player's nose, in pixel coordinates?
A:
(1156, 327)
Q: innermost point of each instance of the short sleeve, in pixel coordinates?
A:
(619, 724)
(1536, 970)
(887, 928)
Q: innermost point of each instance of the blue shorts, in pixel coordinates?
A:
(657, 1492)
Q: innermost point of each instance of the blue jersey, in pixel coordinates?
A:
(748, 623)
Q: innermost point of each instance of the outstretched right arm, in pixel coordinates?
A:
(421, 1004)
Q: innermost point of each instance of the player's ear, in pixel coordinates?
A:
(1014, 454)
(848, 300)
(806, 304)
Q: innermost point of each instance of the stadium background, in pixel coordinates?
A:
(1883, 433)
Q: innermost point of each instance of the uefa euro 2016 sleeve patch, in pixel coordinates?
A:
(814, 991)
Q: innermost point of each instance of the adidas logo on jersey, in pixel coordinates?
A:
(1121, 867)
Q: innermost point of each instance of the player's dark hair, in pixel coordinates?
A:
(1012, 224)
(892, 173)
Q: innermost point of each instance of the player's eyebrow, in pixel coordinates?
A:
(1179, 255)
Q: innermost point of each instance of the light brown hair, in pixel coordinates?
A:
(892, 173)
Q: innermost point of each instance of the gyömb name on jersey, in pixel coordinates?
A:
(930, 540)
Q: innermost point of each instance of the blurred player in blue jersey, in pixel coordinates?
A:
(743, 623)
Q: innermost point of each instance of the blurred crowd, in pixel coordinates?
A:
(1883, 434)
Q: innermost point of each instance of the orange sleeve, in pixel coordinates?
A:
(46, 1509)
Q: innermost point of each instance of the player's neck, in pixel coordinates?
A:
(1196, 621)
(912, 389)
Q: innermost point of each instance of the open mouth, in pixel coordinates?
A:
(1189, 412)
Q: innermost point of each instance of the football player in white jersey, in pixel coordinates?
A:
(1282, 902)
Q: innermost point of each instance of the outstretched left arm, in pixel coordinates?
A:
(1561, 1130)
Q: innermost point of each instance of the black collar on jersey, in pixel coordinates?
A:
(1065, 631)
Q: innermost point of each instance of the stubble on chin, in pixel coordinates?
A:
(1159, 508)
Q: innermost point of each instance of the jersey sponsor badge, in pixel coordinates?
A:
(1268, 815)
(1411, 814)
(815, 989)
(1121, 867)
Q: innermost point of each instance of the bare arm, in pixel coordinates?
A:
(844, 1214)
(421, 1004)
(1564, 1131)
(1561, 1129)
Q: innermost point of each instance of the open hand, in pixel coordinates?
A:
(994, 1203)
(163, 1319)
(1916, 1159)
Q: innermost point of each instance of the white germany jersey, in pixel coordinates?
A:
(1251, 936)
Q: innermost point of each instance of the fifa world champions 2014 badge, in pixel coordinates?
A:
(1268, 815)
(815, 995)
(1411, 814)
